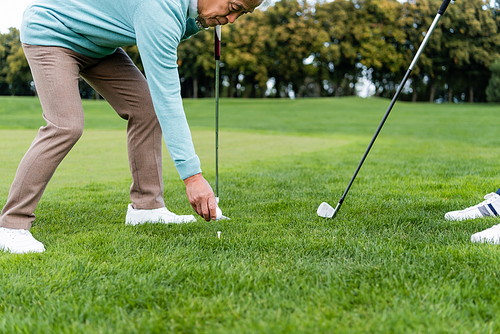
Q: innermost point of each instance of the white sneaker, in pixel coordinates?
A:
(161, 215)
(489, 207)
(19, 241)
(490, 235)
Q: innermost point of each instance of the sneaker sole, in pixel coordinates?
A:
(140, 222)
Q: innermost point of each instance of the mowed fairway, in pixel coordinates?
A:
(388, 263)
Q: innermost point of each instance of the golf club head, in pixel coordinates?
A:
(325, 210)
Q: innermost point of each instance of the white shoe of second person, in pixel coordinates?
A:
(489, 207)
(490, 235)
(19, 241)
(161, 215)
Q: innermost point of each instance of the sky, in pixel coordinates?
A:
(12, 12)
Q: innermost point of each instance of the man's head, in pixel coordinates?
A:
(221, 12)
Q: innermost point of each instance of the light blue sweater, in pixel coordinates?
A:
(95, 28)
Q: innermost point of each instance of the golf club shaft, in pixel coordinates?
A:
(217, 67)
(394, 99)
(217, 128)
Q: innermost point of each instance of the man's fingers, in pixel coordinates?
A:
(208, 212)
(205, 211)
(212, 204)
(202, 210)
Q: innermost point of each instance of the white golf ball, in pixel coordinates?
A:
(218, 213)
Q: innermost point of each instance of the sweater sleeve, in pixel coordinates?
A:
(159, 27)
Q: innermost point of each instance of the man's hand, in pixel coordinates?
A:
(201, 196)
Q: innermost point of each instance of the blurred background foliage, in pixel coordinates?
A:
(294, 49)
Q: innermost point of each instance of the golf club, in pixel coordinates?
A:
(326, 210)
(217, 35)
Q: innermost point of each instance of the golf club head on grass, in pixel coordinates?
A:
(325, 210)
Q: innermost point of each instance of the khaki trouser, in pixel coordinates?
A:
(55, 72)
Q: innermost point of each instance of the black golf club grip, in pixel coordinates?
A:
(444, 5)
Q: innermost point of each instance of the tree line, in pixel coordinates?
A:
(301, 50)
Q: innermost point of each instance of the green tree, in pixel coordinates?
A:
(247, 55)
(336, 59)
(364, 37)
(295, 39)
(472, 40)
(15, 75)
(380, 37)
(197, 65)
(417, 18)
(493, 89)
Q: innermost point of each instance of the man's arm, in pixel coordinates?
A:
(158, 37)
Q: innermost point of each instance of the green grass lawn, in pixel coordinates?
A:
(388, 263)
